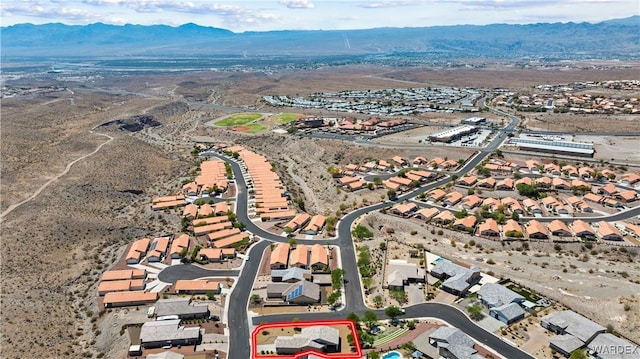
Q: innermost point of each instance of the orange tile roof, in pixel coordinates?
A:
(454, 197)
(129, 297)
(179, 243)
(316, 223)
(468, 180)
(120, 285)
(633, 228)
(280, 254)
(534, 227)
(200, 230)
(609, 189)
(277, 215)
(298, 221)
(123, 274)
(628, 195)
(580, 226)
(512, 226)
(401, 181)
(228, 241)
(437, 194)
(138, 248)
(168, 204)
(593, 197)
(161, 245)
(197, 285)
(209, 220)
(205, 210)
(557, 225)
(445, 216)
(467, 222)
(319, 255)
(190, 210)
(489, 225)
(405, 207)
(299, 256)
(214, 236)
(607, 229)
(428, 212)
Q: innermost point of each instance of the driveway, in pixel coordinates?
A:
(414, 294)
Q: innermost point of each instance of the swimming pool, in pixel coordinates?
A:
(438, 260)
(392, 355)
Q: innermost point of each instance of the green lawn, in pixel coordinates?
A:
(238, 119)
(285, 118)
(256, 128)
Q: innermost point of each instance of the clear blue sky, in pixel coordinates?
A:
(263, 15)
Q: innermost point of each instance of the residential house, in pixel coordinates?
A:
(610, 202)
(319, 258)
(444, 217)
(419, 161)
(302, 292)
(586, 172)
(531, 206)
(216, 254)
(495, 295)
(168, 332)
(232, 241)
(279, 256)
(508, 313)
(553, 169)
(125, 285)
(560, 184)
(315, 224)
(225, 233)
(357, 185)
(401, 273)
(467, 181)
(570, 171)
(592, 197)
(123, 274)
(533, 166)
(181, 307)
(505, 185)
(608, 231)
(290, 275)
(317, 338)
(205, 210)
(197, 286)
(403, 182)
(632, 229)
(179, 245)
(190, 211)
(452, 198)
(299, 257)
(524, 180)
(436, 195)
(487, 183)
(456, 279)
(399, 161)
(606, 346)
(512, 229)
(489, 228)
(513, 205)
(627, 196)
(576, 183)
(466, 224)
(491, 203)
(426, 214)
(559, 228)
(582, 229)
(404, 210)
(471, 201)
(158, 249)
(629, 179)
(297, 222)
(543, 182)
(137, 250)
(128, 298)
(608, 190)
(574, 331)
(536, 230)
(452, 343)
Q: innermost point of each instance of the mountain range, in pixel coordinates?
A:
(616, 38)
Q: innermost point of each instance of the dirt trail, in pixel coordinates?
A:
(66, 170)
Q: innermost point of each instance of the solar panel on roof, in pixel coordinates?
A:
(295, 293)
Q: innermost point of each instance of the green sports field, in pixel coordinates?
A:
(284, 118)
(255, 128)
(238, 119)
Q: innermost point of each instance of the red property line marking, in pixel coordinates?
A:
(349, 323)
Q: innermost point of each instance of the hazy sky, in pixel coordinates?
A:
(262, 15)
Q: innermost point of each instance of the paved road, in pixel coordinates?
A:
(189, 271)
(445, 312)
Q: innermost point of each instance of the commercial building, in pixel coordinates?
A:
(553, 145)
(452, 134)
(474, 121)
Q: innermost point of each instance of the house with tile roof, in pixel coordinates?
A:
(316, 223)
(179, 244)
(137, 250)
(489, 228)
(456, 279)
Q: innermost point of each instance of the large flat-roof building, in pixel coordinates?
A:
(474, 120)
(452, 134)
(553, 145)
